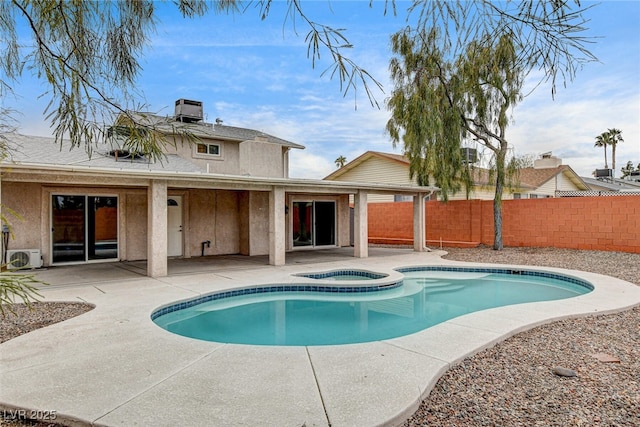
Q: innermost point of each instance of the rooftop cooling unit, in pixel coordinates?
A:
(602, 173)
(188, 111)
(23, 258)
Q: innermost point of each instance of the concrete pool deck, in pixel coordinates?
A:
(114, 366)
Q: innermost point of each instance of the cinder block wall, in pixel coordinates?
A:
(597, 223)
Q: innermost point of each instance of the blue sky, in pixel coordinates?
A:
(255, 74)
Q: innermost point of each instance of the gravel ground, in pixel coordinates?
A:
(512, 383)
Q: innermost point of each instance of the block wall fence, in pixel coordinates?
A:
(592, 223)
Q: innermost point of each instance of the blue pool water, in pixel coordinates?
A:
(322, 315)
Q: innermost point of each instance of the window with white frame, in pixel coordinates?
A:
(208, 149)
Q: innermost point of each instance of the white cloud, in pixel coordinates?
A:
(305, 164)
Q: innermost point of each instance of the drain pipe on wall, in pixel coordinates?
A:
(206, 243)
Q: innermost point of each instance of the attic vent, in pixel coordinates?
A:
(188, 111)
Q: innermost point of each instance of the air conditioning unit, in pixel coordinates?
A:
(189, 111)
(23, 258)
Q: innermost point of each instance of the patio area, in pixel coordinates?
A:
(113, 366)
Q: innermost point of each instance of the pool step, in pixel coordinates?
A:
(432, 286)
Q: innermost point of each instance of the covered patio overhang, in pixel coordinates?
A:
(159, 183)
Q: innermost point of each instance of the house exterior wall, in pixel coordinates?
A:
(234, 221)
(212, 215)
(381, 171)
(258, 158)
(589, 223)
(207, 215)
(254, 223)
(133, 225)
(253, 158)
(227, 163)
(479, 193)
(25, 199)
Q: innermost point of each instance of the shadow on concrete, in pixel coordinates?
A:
(82, 274)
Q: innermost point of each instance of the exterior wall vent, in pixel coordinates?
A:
(188, 111)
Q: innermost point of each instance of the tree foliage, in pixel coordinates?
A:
(439, 103)
(87, 53)
(603, 140)
(610, 138)
(616, 137)
(459, 71)
(15, 287)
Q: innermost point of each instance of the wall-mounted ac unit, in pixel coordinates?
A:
(23, 258)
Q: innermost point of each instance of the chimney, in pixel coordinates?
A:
(547, 161)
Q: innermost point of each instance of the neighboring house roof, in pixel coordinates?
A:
(362, 158)
(530, 178)
(535, 178)
(169, 125)
(38, 150)
(615, 185)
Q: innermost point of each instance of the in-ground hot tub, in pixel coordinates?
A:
(344, 274)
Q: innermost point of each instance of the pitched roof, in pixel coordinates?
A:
(530, 178)
(169, 125)
(363, 157)
(38, 150)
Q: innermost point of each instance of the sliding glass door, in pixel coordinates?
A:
(84, 228)
(314, 223)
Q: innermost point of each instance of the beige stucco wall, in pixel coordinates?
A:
(227, 163)
(25, 199)
(343, 220)
(212, 215)
(133, 225)
(234, 221)
(261, 159)
(253, 158)
(254, 223)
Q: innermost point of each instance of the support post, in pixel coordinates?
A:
(277, 235)
(418, 223)
(157, 229)
(361, 232)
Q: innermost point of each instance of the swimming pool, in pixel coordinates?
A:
(358, 311)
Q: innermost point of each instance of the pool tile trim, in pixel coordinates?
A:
(520, 272)
(344, 289)
(366, 274)
(278, 288)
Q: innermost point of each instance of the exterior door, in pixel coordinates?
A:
(174, 226)
(314, 223)
(83, 228)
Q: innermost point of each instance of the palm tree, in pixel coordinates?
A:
(626, 171)
(616, 136)
(340, 161)
(603, 140)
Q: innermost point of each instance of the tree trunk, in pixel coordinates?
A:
(497, 200)
(613, 160)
